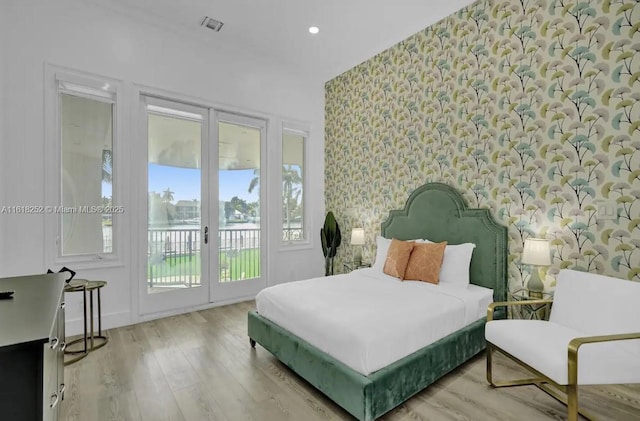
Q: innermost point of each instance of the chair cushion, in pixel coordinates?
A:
(544, 346)
(597, 304)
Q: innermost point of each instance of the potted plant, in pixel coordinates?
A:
(330, 236)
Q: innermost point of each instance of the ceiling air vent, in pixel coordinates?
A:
(211, 23)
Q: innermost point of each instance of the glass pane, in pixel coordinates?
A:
(174, 196)
(239, 191)
(86, 127)
(293, 187)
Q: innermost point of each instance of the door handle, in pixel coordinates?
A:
(206, 235)
(53, 400)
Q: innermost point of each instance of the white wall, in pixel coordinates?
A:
(89, 38)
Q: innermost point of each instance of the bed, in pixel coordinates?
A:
(435, 211)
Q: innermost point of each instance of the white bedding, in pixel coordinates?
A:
(369, 320)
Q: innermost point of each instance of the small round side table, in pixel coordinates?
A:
(99, 340)
(78, 285)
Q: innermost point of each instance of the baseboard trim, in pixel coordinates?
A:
(119, 319)
(163, 314)
(109, 321)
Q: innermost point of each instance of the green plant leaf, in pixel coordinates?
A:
(624, 247)
(606, 96)
(615, 263)
(565, 264)
(615, 123)
(624, 151)
(615, 75)
(615, 168)
(565, 179)
(565, 221)
(616, 26)
(624, 55)
(543, 192)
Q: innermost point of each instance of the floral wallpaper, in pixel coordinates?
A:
(531, 108)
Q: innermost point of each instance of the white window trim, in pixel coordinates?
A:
(304, 130)
(54, 77)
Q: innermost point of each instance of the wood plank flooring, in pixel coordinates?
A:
(199, 366)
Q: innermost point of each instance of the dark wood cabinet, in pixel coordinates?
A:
(32, 348)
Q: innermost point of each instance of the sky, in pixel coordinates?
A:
(185, 183)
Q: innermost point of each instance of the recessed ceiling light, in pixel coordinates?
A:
(314, 30)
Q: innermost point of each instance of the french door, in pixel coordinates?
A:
(202, 237)
(240, 195)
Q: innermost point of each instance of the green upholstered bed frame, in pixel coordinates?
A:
(437, 212)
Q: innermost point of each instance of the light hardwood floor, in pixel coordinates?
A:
(199, 366)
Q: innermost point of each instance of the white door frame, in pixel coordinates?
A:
(243, 289)
(188, 297)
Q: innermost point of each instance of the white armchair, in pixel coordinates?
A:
(592, 337)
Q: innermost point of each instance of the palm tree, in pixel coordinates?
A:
(167, 195)
(107, 166)
(157, 214)
(163, 210)
(235, 204)
(291, 190)
(255, 182)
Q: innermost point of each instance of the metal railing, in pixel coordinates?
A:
(239, 254)
(107, 239)
(174, 258)
(292, 234)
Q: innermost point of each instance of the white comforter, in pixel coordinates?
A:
(369, 320)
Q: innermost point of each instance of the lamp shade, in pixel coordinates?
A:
(536, 252)
(357, 236)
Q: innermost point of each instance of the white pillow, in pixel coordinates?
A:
(455, 264)
(382, 245)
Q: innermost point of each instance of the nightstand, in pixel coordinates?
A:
(349, 266)
(531, 312)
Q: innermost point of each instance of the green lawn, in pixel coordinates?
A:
(233, 265)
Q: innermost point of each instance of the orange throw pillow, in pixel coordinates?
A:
(425, 262)
(397, 258)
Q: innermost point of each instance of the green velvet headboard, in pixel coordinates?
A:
(438, 212)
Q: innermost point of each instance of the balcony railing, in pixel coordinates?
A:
(174, 258)
(174, 255)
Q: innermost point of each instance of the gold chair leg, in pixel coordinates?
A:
(572, 387)
(572, 402)
(489, 364)
(567, 395)
(519, 382)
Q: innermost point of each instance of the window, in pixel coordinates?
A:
(85, 208)
(293, 186)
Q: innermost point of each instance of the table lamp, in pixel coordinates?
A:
(357, 239)
(536, 253)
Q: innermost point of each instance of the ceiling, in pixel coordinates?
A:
(351, 31)
(176, 142)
